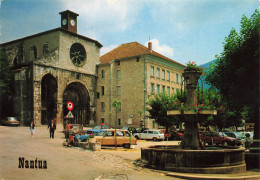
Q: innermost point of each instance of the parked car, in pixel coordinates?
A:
(173, 135)
(219, 138)
(83, 138)
(150, 134)
(132, 130)
(110, 137)
(141, 129)
(10, 121)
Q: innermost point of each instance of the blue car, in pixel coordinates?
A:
(83, 138)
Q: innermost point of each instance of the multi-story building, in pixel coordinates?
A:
(131, 73)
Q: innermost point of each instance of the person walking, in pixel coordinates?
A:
(52, 128)
(32, 128)
(71, 133)
(67, 128)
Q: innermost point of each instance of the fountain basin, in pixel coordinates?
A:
(212, 160)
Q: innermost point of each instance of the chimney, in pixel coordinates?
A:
(150, 46)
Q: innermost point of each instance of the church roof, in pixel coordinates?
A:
(131, 49)
(53, 30)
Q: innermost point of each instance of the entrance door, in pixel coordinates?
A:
(48, 98)
(79, 96)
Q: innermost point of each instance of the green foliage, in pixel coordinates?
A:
(158, 109)
(225, 117)
(236, 72)
(116, 104)
(140, 112)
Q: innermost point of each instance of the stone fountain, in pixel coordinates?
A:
(191, 156)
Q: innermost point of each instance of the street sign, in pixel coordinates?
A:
(70, 115)
(70, 105)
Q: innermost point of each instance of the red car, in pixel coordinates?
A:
(219, 138)
(173, 135)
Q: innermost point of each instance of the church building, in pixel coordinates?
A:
(52, 68)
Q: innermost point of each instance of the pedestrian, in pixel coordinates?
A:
(67, 128)
(72, 132)
(52, 128)
(32, 128)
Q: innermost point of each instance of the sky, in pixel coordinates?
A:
(183, 30)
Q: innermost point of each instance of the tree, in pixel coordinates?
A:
(140, 112)
(116, 104)
(158, 110)
(236, 72)
(225, 117)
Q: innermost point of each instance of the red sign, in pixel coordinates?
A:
(70, 105)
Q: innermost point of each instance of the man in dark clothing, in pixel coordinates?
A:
(52, 128)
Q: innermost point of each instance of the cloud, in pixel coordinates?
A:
(104, 15)
(105, 50)
(162, 49)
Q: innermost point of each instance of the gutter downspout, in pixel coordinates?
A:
(145, 88)
(109, 101)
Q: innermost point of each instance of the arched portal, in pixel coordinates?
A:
(48, 98)
(78, 94)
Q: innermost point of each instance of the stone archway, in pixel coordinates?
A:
(48, 98)
(78, 94)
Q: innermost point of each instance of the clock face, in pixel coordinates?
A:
(78, 54)
(72, 22)
(64, 21)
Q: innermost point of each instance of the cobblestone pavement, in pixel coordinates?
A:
(68, 162)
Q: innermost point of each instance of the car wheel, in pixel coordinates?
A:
(154, 139)
(225, 143)
(136, 137)
(126, 146)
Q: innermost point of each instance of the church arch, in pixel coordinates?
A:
(49, 89)
(77, 93)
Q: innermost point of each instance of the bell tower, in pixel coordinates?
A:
(69, 21)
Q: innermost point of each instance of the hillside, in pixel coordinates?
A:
(206, 66)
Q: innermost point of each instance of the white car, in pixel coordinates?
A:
(150, 134)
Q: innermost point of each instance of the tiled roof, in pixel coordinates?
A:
(130, 50)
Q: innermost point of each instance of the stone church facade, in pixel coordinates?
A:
(52, 68)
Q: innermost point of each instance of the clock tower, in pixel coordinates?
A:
(69, 21)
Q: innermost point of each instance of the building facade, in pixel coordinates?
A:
(57, 66)
(52, 68)
(131, 73)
